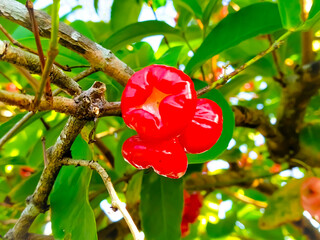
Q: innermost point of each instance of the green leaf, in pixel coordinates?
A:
(223, 228)
(284, 206)
(82, 28)
(71, 214)
(96, 6)
(248, 22)
(25, 188)
(314, 16)
(310, 137)
(161, 207)
(124, 13)
(5, 127)
(121, 165)
(170, 57)
(227, 131)
(192, 6)
(140, 56)
(136, 31)
(208, 11)
(290, 13)
(35, 158)
(134, 189)
(157, 3)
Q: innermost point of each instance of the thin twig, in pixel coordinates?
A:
(78, 66)
(18, 44)
(275, 57)
(31, 80)
(45, 157)
(31, 62)
(9, 79)
(35, 31)
(245, 199)
(156, 18)
(116, 203)
(308, 55)
(225, 78)
(15, 128)
(189, 46)
(52, 53)
(109, 132)
(78, 77)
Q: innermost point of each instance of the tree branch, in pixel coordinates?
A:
(31, 62)
(294, 101)
(199, 181)
(116, 203)
(98, 56)
(88, 105)
(37, 203)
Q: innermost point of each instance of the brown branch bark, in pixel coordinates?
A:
(199, 181)
(294, 101)
(37, 202)
(94, 106)
(31, 62)
(98, 56)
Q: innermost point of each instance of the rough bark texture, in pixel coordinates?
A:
(31, 62)
(98, 56)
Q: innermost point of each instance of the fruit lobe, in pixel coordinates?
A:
(191, 210)
(158, 102)
(11, 87)
(205, 128)
(310, 196)
(167, 158)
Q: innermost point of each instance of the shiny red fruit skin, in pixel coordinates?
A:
(26, 171)
(167, 158)
(310, 196)
(11, 87)
(158, 102)
(205, 128)
(184, 228)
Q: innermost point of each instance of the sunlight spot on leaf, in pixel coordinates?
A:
(52, 116)
(213, 206)
(8, 168)
(39, 133)
(203, 221)
(251, 136)
(316, 45)
(212, 219)
(14, 152)
(47, 229)
(240, 225)
(6, 113)
(190, 53)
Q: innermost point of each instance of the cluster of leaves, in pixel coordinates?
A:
(212, 38)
